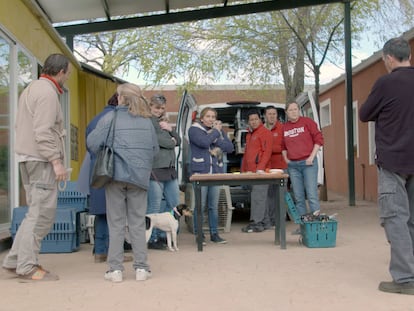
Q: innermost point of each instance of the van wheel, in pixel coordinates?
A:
(189, 201)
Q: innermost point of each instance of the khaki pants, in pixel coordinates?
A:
(39, 182)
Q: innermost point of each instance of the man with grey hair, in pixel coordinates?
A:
(40, 152)
(391, 106)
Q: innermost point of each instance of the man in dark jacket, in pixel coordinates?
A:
(390, 105)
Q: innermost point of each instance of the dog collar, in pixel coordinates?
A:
(175, 213)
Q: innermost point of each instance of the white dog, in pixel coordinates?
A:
(167, 222)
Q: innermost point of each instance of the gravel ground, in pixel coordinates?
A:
(249, 273)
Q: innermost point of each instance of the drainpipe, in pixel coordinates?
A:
(363, 181)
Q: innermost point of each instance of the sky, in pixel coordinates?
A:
(330, 71)
(367, 47)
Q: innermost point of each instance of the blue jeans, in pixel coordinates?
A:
(157, 191)
(101, 235)
(304, 179)
(210, 197)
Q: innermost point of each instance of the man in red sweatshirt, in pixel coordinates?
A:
(276, 161)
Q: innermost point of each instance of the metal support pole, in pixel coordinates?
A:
(349, 110)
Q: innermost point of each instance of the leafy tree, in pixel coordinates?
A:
(259, 49)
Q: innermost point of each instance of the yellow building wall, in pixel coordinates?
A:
(88, 93)
(94, 93)
(25, 26)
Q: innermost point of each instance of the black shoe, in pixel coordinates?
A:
(397, 288)
(215, 238)
(252, 227)
(156, 245)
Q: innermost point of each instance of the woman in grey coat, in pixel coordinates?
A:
(135, 145)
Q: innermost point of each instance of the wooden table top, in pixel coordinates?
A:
(241, 176)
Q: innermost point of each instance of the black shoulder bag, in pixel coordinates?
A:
(103, 169)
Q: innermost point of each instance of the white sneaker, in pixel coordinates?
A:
(114, 276)
(142, 274)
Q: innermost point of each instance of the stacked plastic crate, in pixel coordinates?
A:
(69, 197)
(66, 233)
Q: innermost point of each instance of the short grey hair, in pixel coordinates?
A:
(398, 48)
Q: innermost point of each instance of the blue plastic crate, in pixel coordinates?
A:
(292, 208)
(319, 233)
(70, 197)
(63, 236)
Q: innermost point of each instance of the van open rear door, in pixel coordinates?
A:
(186, 114)
(308, 108)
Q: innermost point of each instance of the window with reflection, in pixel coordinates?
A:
(4, 130)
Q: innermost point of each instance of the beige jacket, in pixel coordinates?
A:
(39, 122)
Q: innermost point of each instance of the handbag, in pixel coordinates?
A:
(103, 169)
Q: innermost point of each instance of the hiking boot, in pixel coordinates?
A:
(38, 274)
(215, 238)
(142, 274)
(252, 227)
(397, 288)
(113, 276)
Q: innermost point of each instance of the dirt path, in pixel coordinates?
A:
(249, 273)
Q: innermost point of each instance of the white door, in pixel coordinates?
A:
(308, 108)
(186, 114)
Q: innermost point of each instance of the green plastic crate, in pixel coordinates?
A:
(291, 208)
(319, 233)
(314, 233)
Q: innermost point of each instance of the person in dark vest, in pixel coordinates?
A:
(391, 106)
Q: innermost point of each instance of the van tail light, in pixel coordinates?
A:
(194, 116)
